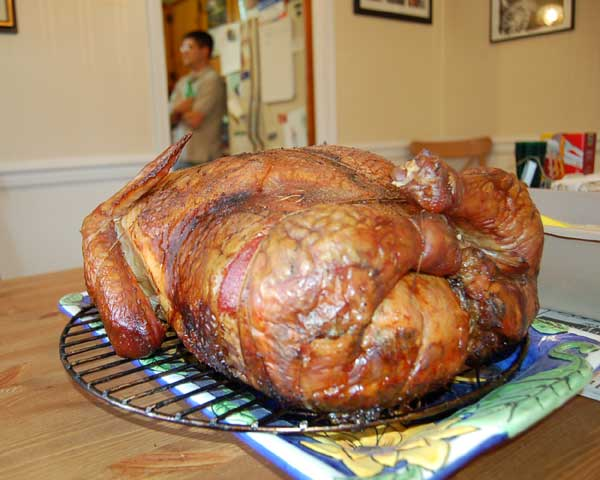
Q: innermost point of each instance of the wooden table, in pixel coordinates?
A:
(50, 428)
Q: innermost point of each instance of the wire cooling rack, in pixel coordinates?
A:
(173, 386)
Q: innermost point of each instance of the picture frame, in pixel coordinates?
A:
(409, 10)
(8, 17)
(514, 19)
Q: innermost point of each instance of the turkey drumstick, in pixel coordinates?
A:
(502, 237)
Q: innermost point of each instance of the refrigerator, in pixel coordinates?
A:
(263, 58)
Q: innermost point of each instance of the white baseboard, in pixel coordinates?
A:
(92, 169)
(502, 155)
(57, 171)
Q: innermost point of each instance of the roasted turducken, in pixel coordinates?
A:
(321, 276)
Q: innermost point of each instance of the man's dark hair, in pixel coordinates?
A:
(202, 39)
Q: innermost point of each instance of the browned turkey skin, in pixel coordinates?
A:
(321, 276)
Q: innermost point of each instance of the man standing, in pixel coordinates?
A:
(198, 102)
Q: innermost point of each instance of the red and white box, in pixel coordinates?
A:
(568, 153)
(578, 152)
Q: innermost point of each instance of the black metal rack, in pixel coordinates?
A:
(172, 386)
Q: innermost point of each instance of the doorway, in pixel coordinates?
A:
(263, 49)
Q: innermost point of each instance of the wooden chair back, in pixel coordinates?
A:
(474, 150)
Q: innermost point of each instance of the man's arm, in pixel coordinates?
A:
(178, 105)
(210, 92)
(193, 118)
(180, 110)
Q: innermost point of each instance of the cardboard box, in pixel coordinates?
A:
(569, 278)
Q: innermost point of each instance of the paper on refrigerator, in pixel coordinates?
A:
(294, 129)
(228, 47)
(276, 61)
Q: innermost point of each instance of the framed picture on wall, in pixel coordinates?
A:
(411, 10)
(512, 19)
(8, 19)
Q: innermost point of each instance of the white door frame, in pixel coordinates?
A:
(324, 69)
(161, 135)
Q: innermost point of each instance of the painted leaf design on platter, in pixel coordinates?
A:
(519, 404)
(369, 452)
(71, 300)
(548, 327)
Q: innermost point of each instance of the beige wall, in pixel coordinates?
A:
(388, 76)
(526, 86)
(448, 80)
(75, 81)
(77, 119)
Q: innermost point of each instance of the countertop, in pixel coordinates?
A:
(51, 428)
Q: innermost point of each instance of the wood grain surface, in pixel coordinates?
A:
(50, 428)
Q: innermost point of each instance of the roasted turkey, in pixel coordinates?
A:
(321, 276)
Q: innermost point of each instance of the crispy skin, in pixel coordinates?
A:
(309, 275)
